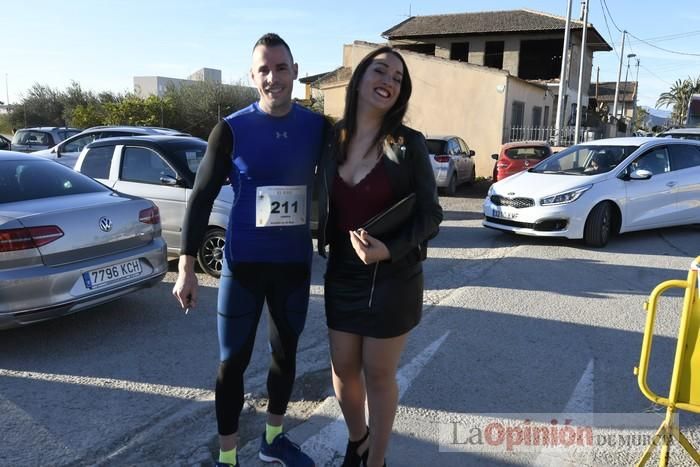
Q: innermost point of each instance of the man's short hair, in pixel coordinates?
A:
(272, 40)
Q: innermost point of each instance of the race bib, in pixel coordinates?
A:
(277, 206)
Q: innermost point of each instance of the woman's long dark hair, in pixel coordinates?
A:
(392, 119)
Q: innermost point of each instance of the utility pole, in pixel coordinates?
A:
(636, 92)
(627, 86)
(619, 73)
(562, 81)
(577, 128)
(597, 82)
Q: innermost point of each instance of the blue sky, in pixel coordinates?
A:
(102, 45)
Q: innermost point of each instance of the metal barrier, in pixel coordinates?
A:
(684, 393)
(566, 135)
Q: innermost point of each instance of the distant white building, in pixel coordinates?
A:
(145, 86)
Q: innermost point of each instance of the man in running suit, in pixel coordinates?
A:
(268, 151)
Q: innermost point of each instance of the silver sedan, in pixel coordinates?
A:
(452, 162)
(68, 243)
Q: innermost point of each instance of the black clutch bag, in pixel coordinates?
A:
(391, 219)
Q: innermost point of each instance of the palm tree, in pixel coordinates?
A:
(678, 97)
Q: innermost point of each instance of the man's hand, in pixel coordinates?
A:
(185, 288)
(369, 249)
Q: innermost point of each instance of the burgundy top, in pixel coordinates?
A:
(353, 206)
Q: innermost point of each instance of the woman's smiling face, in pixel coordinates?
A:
(381, 83)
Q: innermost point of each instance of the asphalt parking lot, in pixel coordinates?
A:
(512, 325)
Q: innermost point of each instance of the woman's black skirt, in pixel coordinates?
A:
(379, 300)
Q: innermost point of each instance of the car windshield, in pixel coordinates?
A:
(21, 137)
(23, 180)
(436, 146)
(585, 160)
(695, 136)
(528, 152)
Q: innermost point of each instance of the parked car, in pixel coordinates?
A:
(681, 133)
(35, 139)
(67, 151)
(162, 169)
(518, 156)
(5, 144)
(452, 162)
(68, 243)
(595, 189)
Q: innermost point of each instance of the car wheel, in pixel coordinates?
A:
(452, 186)
(211, 253)
(598, 227)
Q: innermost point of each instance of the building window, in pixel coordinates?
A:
(517, 117)
(545, 121)
(494, 54)
(540, 59)
(572, 116)
(459, 51)
(426, 49)
(536, 117)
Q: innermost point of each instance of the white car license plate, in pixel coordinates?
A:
(503, 214)
(110, 274)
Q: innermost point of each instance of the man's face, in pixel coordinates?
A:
(273, 74)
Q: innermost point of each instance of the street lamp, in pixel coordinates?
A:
(624, 100)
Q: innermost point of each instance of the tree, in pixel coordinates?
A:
(641, 118)
(42, 106)
(193, 108)
(88, 115)
(199, 106)
(678, 98)
(134, 110)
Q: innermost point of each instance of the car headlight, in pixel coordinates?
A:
(566, 197)
(490, 192)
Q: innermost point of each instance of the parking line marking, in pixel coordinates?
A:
(580, 402)
(112, 383)
(329, 442)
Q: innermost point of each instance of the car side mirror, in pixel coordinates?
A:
(641, 174)
(471, 153)
(169, 180)
(494, 157)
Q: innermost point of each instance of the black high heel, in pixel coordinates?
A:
(352, 458)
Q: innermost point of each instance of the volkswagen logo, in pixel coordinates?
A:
(105, 224)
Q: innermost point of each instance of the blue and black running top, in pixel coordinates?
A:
(256, 150)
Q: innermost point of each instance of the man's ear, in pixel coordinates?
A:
(295, 67)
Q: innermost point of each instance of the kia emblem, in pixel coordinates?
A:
(105, 224)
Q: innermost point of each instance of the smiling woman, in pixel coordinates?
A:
(374, 285)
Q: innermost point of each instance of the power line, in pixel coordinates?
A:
(605, 4)
(671, 37)
(611, 18)
(654, 75)
(612, 42)
(661, 48)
